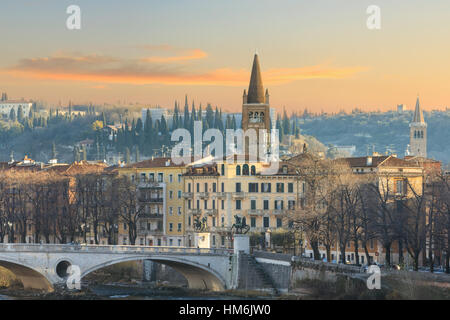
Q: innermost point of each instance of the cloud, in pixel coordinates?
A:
(151, 70)
(191, 55)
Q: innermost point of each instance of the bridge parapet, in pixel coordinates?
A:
(21, 247)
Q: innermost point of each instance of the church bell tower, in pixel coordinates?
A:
(418, 133)
(256, 107)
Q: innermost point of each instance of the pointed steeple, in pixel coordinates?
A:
(256, 89)
(418, 115)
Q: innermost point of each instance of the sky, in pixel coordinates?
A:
(318, 54)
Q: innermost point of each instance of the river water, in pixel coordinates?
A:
(130, 292)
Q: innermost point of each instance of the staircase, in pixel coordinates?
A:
(253, 275)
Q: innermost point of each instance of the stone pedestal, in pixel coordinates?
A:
(241, 243)
(203, 240)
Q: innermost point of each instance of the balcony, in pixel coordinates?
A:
(238, 195)
(151, 199)
(220, 194)
(254, 212)
(152, 215)
(194, 211)
(211, 212)
(188, 195)
(203, 195)
(279, 211)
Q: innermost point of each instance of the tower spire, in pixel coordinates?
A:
(255, 89)
(418, 115)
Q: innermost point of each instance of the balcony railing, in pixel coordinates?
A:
(220, 194)
(187, 195)
(238, 194)
(203, 194)
(194, 211)
(151, 199)
(211, 212)
(254, 212)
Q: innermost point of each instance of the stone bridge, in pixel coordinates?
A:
(42, 266)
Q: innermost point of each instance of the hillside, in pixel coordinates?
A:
(383, 130)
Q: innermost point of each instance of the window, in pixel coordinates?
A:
(280, 187)
(170, 242)
(179, 227)
(253, 170)
(245, 170)
(222, 240)
(253, 187)
(222, 169)
(266, 204)
(170, 194)
(266, 222)
(253, 222)
(213, 221)
(238, 187)
(124, 226)
(170, 210)
(189, 221)
(206, 186)
(160, 177)
(285, 169)
(266, 187)
(206, 203)
(253, 204)
(223, 204)
(213, 203)
(214, 187)
(238, 204)
(179, 194)
(179, 211)
(179, 178)
(238, 170)
(213, 240)
(278, 204)
(399, 186)
(170, 178)
(222, 221)
(151, 177)
(291, 204)
(222, 187)
(198, 187)
(198, 204)
(171, 227)
(290, 187)
(189, 187)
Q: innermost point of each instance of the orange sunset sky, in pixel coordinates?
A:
(314, 54)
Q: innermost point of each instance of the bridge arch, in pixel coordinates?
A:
(197, 275)
(29, 276)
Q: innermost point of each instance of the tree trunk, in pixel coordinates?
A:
(447, 261)
(328, 248)
(315, 248)
(356, 245)
(366, 251)
(387, 249)
(342, 249)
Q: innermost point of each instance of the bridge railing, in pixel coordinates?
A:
(22, 247)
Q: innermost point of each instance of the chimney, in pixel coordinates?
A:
(368, 161)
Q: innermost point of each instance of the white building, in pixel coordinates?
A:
(7, 105)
